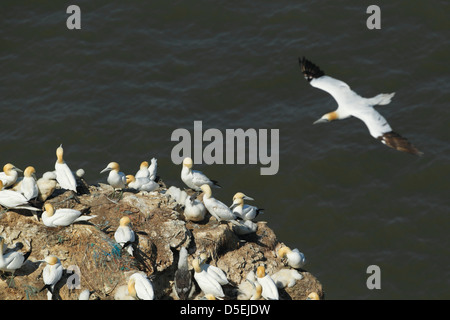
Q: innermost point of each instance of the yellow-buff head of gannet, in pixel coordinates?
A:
(188, 163)
(48, 207)
(328, 117)
(130, 178)
(206, 190)
(7, 168)
(240, 195)
(59, 154)
(284, 251)
(51, 260)
(313, 296)
(196, 265)
(111, 166)
(261, 272)
(132, 288)
(144, 165)
(29, 171)
(125, 221)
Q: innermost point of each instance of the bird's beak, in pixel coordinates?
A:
(234, 205)
(248, 198)
(106, 169)
(321, 120)
(17, 169)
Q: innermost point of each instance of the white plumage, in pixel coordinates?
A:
(124, 235)
(116, 178)
(295, 258)
(195, 179)
(9, 175)
(244, 211)
(217, 208)
(51, 274)
(12, 260)
(215, 272)
(194, 210)
(140, 287)
(207, 283)
(269, 288)
(14, 200)
(28, 186)
(64, 175)
(62, 217)
(141, 184)
(352, 104)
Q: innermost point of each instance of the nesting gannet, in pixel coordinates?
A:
(313, 296)
(62, 217)
(183, 287)
(286, 278)
(352, 104)
(140, 287)
(9, 175)
(51, 274)
(246, 227)
(116, 178)
(213, 271)
(194, 210)
(205, 281)
(124, 235)
(295, 258)
(269, 288)
(195, 179)
(14, 200)
(46, 185)
(178, 195)
(64, 175)
(244, 211)
(153, 168)
(143, 171)
(12, 260)
(141, 184)
(216, 208)
(28, 186)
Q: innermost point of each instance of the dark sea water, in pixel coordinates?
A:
(137, 70)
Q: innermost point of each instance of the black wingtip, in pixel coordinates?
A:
(309, 69)
(394, 140)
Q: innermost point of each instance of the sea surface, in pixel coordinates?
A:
(116, 89)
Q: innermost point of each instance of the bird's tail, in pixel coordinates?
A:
(381, 99)
(84, 218)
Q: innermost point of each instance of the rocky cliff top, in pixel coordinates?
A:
(94, 261)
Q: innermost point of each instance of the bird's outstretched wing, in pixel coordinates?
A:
(394, 140)
(338, 89)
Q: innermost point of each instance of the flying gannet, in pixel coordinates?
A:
(352, 104)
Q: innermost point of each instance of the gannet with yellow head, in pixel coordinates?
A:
(51, 274)
(294, 258)
(213, 271)
(140, 287)
(195, 179)
(244, 211)
(205, 281)
(269, 288)
(194, 210)
(216, 208)
(28, 186)
(64, 175)
(9, 175)
(352, 104)
(62, 217)
(124, 235)
(116, 178)
(141, 184)
(12, 260)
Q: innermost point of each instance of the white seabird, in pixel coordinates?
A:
(205, 281)
(244, 211)
(141, 184)
(182, 284)
(217, 208)
(124, 235)
(12, 260)
(143, 171)
(51, 274)
(269, 288)
(62, 217)
(295, 258)
(286, 278)
(140, 287)
(352, 104)
(213, 271)
(14, 200)
(9, 175)
(194, 210)
(195, 179)
(28, 186)
(116, 178)
(64, 175)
